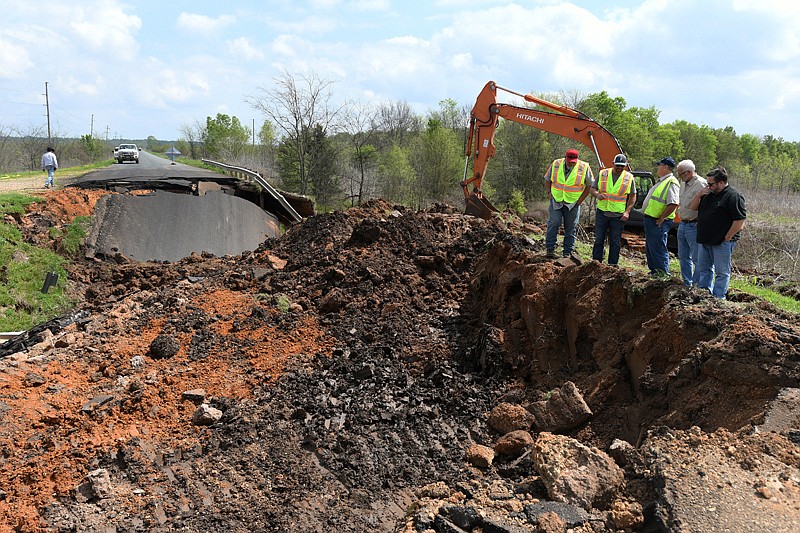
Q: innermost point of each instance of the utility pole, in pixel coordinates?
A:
(254, 132)
(91, 128)
(106, 132)
(47, 106)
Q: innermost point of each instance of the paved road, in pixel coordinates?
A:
(149, 167)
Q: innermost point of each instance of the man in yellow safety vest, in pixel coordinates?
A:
(659, 211)
(567, 181)
(615, 190)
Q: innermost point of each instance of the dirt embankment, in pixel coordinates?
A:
(379, 370)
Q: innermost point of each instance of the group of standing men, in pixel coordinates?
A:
(711, 215)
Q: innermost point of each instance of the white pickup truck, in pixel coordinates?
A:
(127, 152)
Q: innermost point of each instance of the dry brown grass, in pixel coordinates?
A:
(770, 243)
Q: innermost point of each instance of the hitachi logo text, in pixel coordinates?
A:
(529, 118)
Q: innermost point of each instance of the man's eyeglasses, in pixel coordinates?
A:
(684, 172)
(711, 183)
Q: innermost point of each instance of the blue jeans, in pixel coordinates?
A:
(612, 226)
(655, 245)
(687, 252)
(714, 263)
(569, 217)
(51, 173)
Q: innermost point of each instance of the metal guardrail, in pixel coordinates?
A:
(8, 335)
(261, 181)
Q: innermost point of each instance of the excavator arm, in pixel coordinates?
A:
(563, 121)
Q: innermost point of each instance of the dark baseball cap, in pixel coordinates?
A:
(666, 161)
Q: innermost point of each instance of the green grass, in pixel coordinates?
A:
(737, 282)
(23, 271)
(73, 235)
(778, 300)
(62, 172)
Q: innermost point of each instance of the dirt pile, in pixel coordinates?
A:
(382, 369)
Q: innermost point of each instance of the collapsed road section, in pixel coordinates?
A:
(164, 226)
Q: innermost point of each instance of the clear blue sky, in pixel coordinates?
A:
(147, 67)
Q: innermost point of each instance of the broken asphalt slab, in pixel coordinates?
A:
(164, 226)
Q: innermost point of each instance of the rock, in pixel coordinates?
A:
(196, 396)
(626, 515)
(438, 490)
(32, 379)
(164, 346)
(66, 341)
(205, 415)
(97, 401)
(575, 473)
(507, 417)
(443, 525)
(551, 523)
(465, 517)
(333, 302)
(513, 443)
(96, 486)
(480, 456)
(624, 453)
(565, 409)
(569, 515)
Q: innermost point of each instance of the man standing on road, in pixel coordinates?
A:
(49, 165)
(720, 219)
(615, 191)
(659, 211)
(567, 181)
(691, 184)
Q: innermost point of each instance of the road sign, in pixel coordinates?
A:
(172, 153)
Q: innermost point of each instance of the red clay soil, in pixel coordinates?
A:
(354, 361)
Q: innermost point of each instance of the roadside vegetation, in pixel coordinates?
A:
(69, 172)
(23, 304)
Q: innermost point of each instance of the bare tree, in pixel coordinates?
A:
(359, 124)
(397, 120)
(32, 143)
(296, 108)
(193, 133)
(6, 155)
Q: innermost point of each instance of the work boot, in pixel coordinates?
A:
(551, 254)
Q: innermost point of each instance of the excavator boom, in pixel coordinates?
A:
(562, 120)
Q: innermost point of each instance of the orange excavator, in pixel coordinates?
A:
(565, 121)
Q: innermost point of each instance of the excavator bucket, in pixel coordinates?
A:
(480, 207)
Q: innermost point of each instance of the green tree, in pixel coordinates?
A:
(395, 174)
(667, 141)
(288, 163)
(324, 179)
(226, 137)
(521, 160)
(699, 144)
(95, 149)
(437, 165)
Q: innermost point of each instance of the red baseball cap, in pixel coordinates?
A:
(572, 154)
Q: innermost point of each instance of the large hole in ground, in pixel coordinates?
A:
(644, 353)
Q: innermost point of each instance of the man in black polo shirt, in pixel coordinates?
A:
(720, 218)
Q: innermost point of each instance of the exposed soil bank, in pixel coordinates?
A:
(379, 370)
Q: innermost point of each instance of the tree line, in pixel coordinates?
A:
(345, 154)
